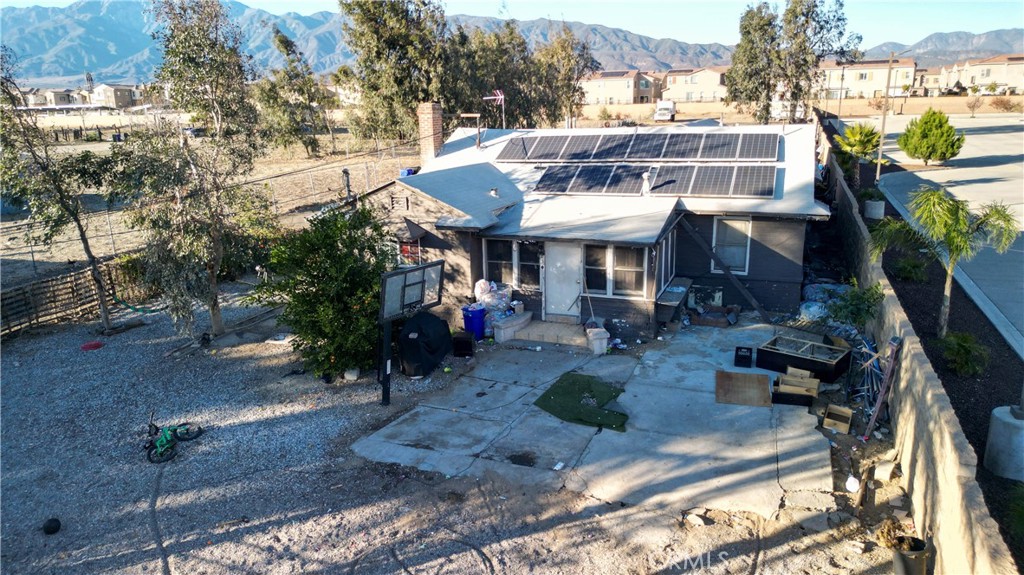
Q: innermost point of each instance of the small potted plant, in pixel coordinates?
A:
(909, 554)
(874, 203)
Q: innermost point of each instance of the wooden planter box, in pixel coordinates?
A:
(825, 362)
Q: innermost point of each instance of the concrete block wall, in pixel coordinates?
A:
(939, 465)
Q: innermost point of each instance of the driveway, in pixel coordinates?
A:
(681, 449)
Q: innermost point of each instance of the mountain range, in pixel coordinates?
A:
(112, 39)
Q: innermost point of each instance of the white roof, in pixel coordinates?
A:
(619, 219)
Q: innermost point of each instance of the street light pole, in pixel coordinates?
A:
(885, 114)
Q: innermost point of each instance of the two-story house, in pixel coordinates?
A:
(612, 87)
(115, 95)
(926, 82)
(865, 79)
(1004, 72)
(695, 84)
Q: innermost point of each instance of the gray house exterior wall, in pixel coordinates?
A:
(776, 262)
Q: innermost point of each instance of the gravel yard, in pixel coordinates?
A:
(272, 486)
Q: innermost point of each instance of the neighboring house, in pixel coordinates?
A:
(347, 95)
(1005, 71)
(952, 74)
(926, 82)
(649, 87)
(33, 97)
(864, 79)
(612, 87)
(602, 221)
(695, 84)
(116, 95)
(59, 97)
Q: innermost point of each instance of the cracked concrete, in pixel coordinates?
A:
(681, 448)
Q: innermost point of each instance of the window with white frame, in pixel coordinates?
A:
(666, 260)
(986, 72)
(615, 270)
(731, 243)
(514, 263)
(862, 76)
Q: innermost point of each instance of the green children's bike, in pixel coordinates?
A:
(162, 444)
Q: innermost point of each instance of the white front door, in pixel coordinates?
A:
(563, 272)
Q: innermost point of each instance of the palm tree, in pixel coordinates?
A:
(949, 230)
(860, 141)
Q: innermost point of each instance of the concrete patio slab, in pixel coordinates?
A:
(521, 367)
(681, 448)
(563, 442)
(487, 398)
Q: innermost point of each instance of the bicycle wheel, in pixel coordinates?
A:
(154, 457)
(187, 431)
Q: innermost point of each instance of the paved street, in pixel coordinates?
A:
(990, 168)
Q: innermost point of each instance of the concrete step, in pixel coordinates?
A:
(548, 332)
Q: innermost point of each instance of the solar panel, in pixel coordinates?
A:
(647, 146)
(612, 147)
(516, 149)
(759, 147)
(754, 182)
(712, 181)
(548, 148)
(673, 180)
(591, 180)
(719, 146)
(556, 179)
(580, 148)
(626, 180)
(682, 146)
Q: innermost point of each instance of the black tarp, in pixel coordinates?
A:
(423, 344)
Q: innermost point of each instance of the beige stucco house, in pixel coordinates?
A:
(865, 79)
(695, 84)
(1005, 71)
(612, 87)
(115, 95)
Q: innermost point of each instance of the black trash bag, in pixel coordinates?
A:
(423, 344)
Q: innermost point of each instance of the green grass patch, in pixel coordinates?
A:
(578, 398)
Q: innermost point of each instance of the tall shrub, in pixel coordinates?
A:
(931, 137)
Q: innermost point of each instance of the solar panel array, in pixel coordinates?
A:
(642, 147)
(666, 180)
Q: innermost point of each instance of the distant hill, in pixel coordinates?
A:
(112, 40)
(945, 48)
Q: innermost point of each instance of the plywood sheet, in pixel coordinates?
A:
(743, 388)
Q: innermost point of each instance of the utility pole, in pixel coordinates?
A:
(885, 114)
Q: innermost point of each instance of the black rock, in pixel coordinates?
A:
(51, 526)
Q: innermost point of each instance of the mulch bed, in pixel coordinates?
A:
(973, 397)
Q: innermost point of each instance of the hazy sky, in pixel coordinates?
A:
(704, 21)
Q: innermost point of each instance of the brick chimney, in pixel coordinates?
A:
(431, 125)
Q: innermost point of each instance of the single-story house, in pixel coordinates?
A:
(605, 222)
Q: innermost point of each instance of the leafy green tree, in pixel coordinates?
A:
(931, 137)
(860, 141)
(292, 102)
(399, 48)
(752, 79)
(52, 184)
(564, 62)
(328, 277)
(811, 31)
(992, 87)
(948, 229)
(186, 192)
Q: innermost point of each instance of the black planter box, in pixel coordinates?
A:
(791, 399)
(744, 357)
(464, 344)
(825, 362)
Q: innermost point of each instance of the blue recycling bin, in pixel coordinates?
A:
(473, 321)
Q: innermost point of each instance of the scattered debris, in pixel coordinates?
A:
(883, 470)
(697, 520)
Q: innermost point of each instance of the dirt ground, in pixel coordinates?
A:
(298, 186)
(272, 486)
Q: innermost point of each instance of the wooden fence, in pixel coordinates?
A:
(68, 297)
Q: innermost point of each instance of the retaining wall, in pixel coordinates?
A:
(939, 466)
